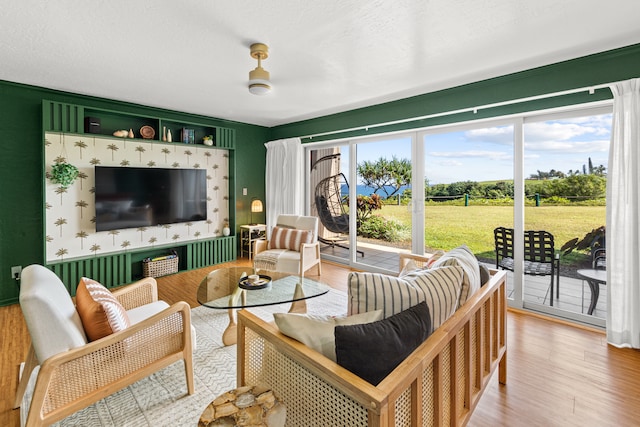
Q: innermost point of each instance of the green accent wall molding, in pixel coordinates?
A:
(601, 68)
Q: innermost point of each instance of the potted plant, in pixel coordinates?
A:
(225, 228)
(207, 140)
(63, 173)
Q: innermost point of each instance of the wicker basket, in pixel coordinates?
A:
(160, 268)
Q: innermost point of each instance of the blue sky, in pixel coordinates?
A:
(487, 153)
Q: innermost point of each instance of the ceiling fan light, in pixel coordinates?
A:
(259, 83)
(259, 87)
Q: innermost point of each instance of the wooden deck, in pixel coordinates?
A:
(536, 289)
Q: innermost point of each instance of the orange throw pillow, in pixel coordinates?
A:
(101, 313)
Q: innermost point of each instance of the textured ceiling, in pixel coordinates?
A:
(325, 56)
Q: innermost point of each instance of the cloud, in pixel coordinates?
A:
(483, 154)
(568, 147)
(502, 135)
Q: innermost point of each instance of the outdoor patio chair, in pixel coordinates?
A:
(540, 258)
(330, 203)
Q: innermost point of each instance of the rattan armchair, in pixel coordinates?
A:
(71, 373)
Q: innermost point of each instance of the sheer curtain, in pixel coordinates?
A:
(623, 208)
(284, 179)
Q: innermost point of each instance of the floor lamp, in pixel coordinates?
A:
(256, 206)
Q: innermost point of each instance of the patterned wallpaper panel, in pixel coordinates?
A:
(70, 212)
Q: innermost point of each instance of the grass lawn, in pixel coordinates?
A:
(449, 226)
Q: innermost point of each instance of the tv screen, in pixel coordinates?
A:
(128, 197)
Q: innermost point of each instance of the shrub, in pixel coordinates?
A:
(378, 227)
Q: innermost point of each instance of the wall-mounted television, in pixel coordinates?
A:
(130, 197)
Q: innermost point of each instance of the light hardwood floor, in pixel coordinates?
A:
(558, 374)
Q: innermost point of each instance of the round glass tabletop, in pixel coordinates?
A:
(221, 288)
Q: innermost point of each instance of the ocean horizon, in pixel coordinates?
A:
(364, 190)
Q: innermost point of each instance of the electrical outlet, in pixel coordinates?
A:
(244, 191)
(16, 270)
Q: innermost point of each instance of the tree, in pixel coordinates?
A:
(383, 173)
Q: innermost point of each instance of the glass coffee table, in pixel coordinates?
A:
(229, 289)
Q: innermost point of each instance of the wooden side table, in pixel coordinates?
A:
(245, 406)
(249, 233)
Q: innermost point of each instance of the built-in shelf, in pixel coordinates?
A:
(70, 208)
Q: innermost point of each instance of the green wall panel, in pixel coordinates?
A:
(21, 165)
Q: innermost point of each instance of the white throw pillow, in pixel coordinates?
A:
(316, 331)
(463, 257)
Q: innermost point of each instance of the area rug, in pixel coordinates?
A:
(162, 400)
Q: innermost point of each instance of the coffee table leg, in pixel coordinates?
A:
(230, 335)
(298, 306)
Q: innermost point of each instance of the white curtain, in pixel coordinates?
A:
(623, 208)
(284, 179)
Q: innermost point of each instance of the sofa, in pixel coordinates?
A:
(438, 383)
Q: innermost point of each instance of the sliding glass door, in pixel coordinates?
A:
(565, 165)
(469, 188)
(434, 189)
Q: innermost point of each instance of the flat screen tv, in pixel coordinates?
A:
(129, 197)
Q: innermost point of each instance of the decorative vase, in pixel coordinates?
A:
(226, 231)
(131, 133)
(208, 142)
(169, 135)
(164, 133)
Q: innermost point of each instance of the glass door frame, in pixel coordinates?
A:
(418, 168)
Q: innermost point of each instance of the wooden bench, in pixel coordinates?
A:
(440, 383)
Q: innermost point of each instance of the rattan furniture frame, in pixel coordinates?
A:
(440, 383)
(74, 379)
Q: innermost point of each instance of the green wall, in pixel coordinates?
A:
(21, 169)
(605, 67)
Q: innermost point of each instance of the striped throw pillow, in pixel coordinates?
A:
(439, 288)
(289, 238)
(101, 313)
(463, 257)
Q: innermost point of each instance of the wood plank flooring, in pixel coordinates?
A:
(558, 374)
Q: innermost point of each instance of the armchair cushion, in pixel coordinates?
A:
(316, 331)
(373, 350)
(101, 313)
(288, 238)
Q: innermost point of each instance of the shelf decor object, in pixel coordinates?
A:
(161, 266)
(259, 83)
(147, 132)
(188, 136)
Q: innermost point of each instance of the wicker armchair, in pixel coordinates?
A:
(71, 373)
